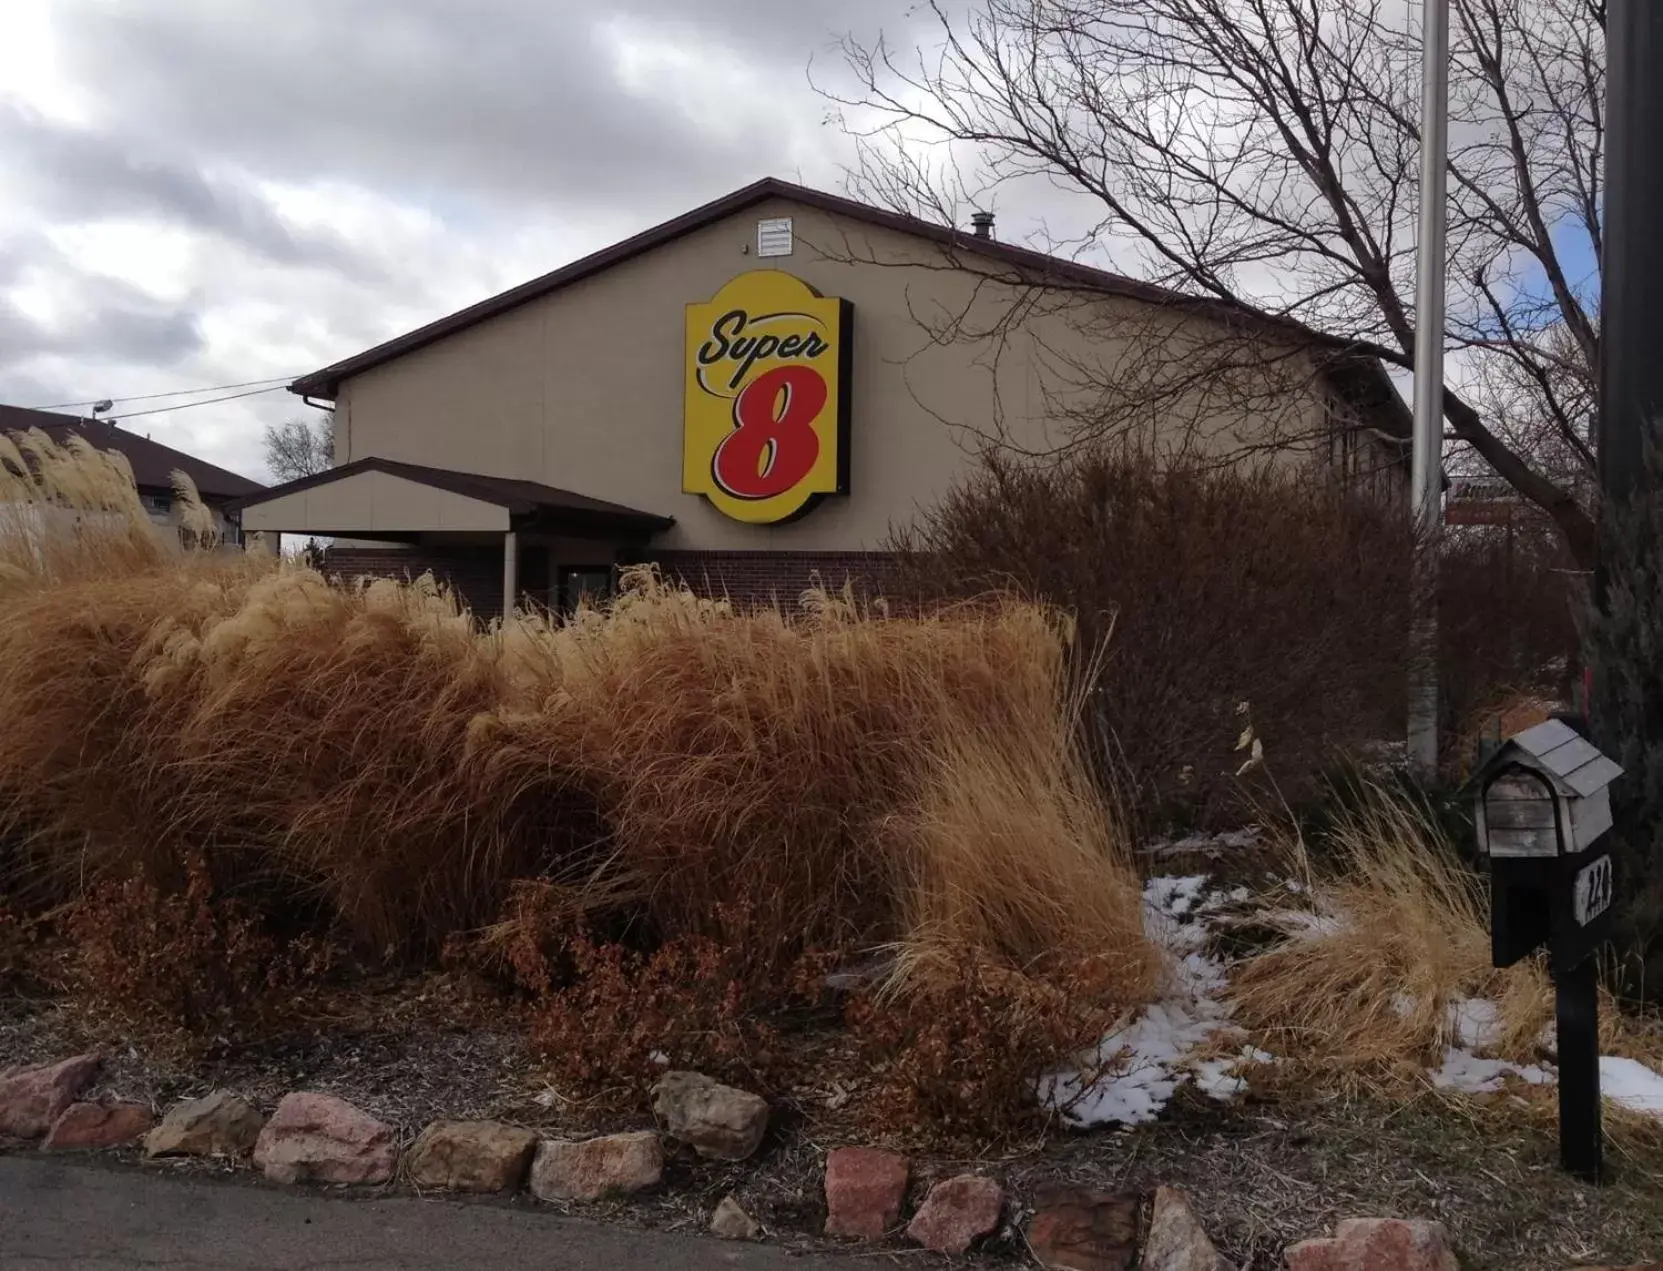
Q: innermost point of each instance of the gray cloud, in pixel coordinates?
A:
(118, 321)
(486, 103)
(327, 173)
(20, 388)
(79, 174)
(788, 35)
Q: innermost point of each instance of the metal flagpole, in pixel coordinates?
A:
(1426, 494)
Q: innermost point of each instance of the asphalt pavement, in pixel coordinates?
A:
(57, 1214)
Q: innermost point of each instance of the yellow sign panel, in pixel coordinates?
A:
(765, 425)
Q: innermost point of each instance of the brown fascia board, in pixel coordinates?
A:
(518, 498)
(326, 383)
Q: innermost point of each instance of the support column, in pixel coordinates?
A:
(510, 573)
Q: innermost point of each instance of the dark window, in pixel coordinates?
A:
(534, 577)
(597, 582)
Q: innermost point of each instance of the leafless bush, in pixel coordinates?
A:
(1206, 588)
(1507, 605)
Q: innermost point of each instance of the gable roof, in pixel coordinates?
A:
(153, 464)
(518, 498)
(326, 382)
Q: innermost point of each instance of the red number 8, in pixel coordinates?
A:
(773, 445)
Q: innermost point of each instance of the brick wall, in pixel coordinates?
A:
(762, 578)
(475, 573)
(747, 578)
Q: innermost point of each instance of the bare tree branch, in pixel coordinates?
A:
(296, 449)
(1262, 154)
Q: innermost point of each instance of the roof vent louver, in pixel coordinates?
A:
(773, 236)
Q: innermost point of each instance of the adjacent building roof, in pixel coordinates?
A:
(1364, 372)
(153, 464)
(529, 499)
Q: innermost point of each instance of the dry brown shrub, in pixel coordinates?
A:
(28, 955)
(625, 1015)
(189, 964)
(1206, 586)
(1508, 598)
(959, 1052)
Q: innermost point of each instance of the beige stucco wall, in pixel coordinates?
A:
(368, 502)
(582, 389)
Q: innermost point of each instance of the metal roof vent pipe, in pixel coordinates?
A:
(981, 224)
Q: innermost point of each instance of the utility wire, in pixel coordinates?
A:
(182, 392)
(162, 410)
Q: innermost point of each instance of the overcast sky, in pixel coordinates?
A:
(203, 192)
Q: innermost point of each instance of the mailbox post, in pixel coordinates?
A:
(1543, 801)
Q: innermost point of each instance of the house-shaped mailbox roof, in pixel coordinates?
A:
(1574, 764)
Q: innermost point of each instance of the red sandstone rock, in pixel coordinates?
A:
(85, 1126)
(957, 1213)
(319, 1138)
(864, 1191)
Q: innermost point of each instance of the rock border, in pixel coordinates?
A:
(317, 1137)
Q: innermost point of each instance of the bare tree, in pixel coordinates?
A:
(296, 449)
(1259, 156)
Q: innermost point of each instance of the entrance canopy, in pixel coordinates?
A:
(381, 498)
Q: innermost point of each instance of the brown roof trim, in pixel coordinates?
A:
(326, 382)
(153, 463)
(527, 499)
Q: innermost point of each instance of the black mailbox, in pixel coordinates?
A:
(1543, 802)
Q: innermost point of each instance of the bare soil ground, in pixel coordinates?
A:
(1262, 1174)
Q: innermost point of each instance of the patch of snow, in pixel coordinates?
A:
(658, 1058)
(1307, 924)
(1405, 1005)
(1625, 1082)
(1217, 1077)
(1133, 1072)
(1140, 1067)
(1200, 976)
(1466, 1072)
(1166, 904)
(1172, 894)
(1295, 886)
(1631, 1084)
(1220, 899)
(1208, 844)
(1475, 1022)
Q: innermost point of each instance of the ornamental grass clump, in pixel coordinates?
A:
(365, 760)
(1383, 963)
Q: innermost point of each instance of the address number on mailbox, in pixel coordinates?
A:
(1591, 894)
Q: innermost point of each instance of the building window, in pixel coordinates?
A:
(594, 583)
(157, 504)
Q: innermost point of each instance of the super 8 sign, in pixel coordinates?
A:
(765, 425)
